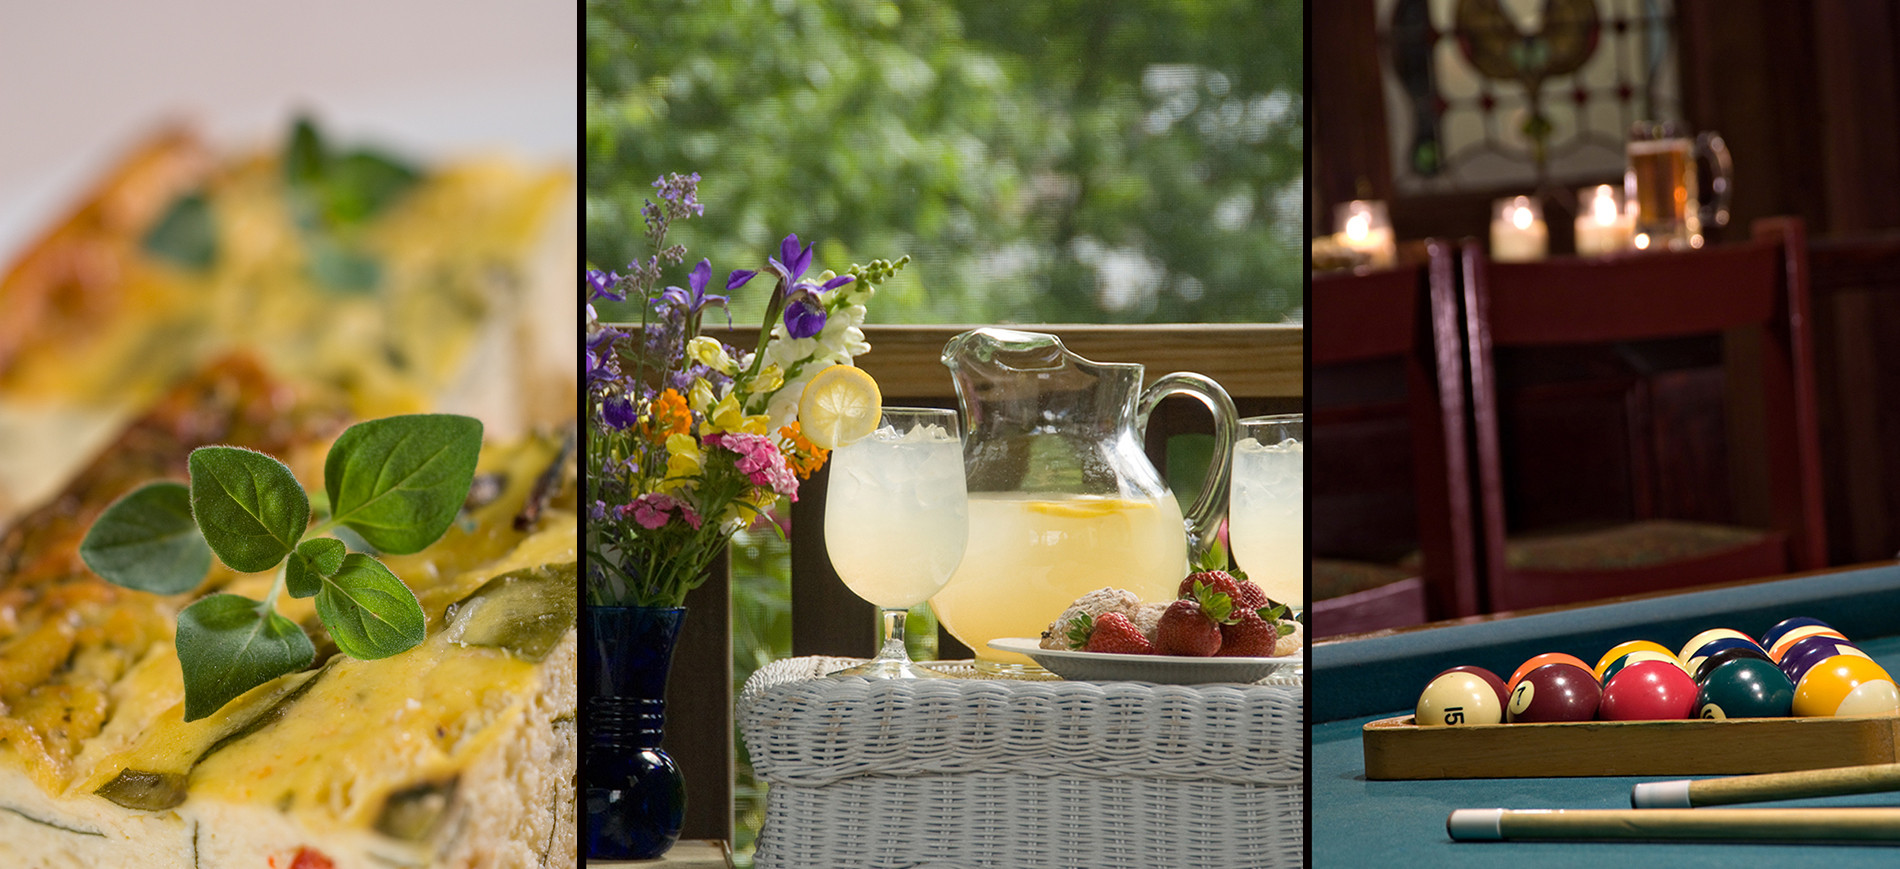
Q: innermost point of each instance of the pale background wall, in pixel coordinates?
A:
(80, 80)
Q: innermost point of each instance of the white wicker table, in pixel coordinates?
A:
(975, 772)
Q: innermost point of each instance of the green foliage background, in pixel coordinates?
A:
(1062, 161)
(1055, 161)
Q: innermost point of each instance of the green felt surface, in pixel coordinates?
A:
(1355, 822)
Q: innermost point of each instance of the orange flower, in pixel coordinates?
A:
(668, 416)
(804, 457)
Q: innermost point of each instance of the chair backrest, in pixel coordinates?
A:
(1409, 315)
(1753, 295)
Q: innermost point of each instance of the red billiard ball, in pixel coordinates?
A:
(1489, 678)
(1745, 688)
(1539, 661)
(1648, 691)
(1555, 692)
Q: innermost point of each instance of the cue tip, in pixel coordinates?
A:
(1661, 795)
(1475, 825)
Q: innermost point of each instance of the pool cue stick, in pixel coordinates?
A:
(1708, 825)
(1799, 784)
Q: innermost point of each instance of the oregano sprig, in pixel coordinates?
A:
(395, 482)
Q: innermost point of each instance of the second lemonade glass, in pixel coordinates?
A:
(1266, 521)
(896, 522)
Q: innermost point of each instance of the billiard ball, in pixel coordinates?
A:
(1694, 661)
(1846, 685)
(1624, 648)
(1489, 678)
(1745, 688)
(1539, 661)
(1711, 662)
(1788, 639)
(1785, 625)
(1648, 691)
(1458, 698)
(1695, 644)
(1637, 657)
(1555, 692)
(1803, 655)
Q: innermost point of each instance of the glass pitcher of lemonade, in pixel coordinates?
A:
(1062, 500)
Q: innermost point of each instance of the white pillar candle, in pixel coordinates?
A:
(1602, 225)
(1518, 233)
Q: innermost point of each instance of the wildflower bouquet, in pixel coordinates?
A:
(690, 439)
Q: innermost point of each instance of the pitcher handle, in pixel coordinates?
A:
(1711, 146)
(1203, 518)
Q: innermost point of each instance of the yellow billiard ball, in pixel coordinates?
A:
(1458, 698)
(1846, 685)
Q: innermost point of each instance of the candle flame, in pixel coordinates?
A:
(1358, 226)
(1603, 207)
(1521, 215)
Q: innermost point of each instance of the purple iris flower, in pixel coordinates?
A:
(795, 262)
(598, 349)
(804, 306)
(603, 285)
(618, 412)
(693, 300)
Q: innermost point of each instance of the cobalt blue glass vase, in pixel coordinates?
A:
(635, 797)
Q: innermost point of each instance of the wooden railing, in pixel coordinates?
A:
(1261, 366)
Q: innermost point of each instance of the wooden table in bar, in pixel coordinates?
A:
(1382, 789)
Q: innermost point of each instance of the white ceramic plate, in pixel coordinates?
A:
(1164, 669)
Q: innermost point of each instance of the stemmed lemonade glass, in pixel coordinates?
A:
(897, 521)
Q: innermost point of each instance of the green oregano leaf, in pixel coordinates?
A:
(147, 541)
(369, 612)
(186, 234)
(250, 506)
(399, 481)
(229, 644)
(314, 559)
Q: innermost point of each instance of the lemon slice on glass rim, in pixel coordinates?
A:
(839, 406)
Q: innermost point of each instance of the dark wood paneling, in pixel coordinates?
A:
(699, 707)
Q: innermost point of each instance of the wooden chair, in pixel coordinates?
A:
(1752, 300)
(1361, 488)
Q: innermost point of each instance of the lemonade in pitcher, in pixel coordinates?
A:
(1032, 555)
(1063, 499)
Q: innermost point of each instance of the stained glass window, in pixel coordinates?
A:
(1483, 94)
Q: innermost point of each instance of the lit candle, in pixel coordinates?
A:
(1602, 225)
(1518, 233)
(1364, 227)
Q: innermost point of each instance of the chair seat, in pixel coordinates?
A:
(1638, 544)
(1338, 578)
(1351, 597)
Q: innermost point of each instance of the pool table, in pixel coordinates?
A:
(1358, 822)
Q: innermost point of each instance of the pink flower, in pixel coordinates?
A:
(760, 460)
(655, 510)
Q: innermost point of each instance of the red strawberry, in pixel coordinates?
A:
(1249, 596)
(1185, 629)
(1216, 580)
(1115, 633)
(1254, 635)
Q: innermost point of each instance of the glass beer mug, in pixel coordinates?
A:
(1661, 183)
(1062, 500)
